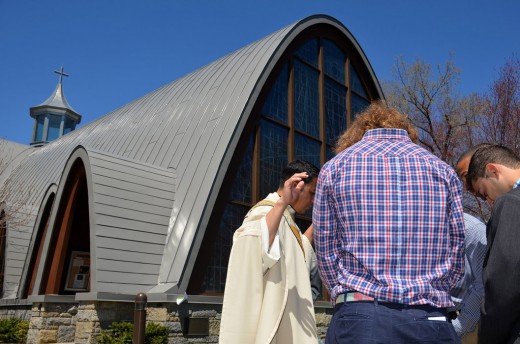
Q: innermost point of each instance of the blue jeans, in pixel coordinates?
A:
(370, 322)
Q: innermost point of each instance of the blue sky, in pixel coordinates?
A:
(118, 51)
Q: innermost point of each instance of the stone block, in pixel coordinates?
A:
(157, 314)
(32, 336)
(84, 329)
(56, 322)
(66, 334)
(206, 313)
(174, 327)
(36, 323)
(87, 306)
(48, 336)
(177, 340)
(87, 315)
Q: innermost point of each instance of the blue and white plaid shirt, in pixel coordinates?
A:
(388, 222)
(469, 291)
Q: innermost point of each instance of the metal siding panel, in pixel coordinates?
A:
(138, 268)
(130, 246)
(133, 167)
(123, 278)
(144, 238)
(103, 221)
(101, 181)
(15, 264)
(129, 288)
(130, 256)
(197, 93)
(110, 191)
(137, 206)
(141, 216)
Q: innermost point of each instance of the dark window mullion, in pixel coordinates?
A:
(302, 133)
(290, 99)
(321, 95)
(255, 190)
(272, 120)
(308, 64)
(360, 95)
(348, 97)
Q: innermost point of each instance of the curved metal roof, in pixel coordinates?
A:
(189, 127)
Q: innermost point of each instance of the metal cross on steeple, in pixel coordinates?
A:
(61, 73)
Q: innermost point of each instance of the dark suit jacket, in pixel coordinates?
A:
(500, 312)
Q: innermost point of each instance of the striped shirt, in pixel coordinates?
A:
(388, 222)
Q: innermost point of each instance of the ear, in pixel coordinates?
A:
(492, 170)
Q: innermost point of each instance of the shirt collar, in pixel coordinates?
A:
(386, 134)
(516, 184)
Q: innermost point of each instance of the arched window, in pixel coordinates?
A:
(307, 103)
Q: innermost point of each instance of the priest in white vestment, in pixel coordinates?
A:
(267, 298)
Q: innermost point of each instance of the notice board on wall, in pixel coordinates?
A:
(78, 275)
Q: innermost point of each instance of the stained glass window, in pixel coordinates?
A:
(215, 277)
(358, 104)
(307, 149)
(334, 61)
(356, 84)
(309, 52)
(273, 155)
(306, 99)
(243, 180)
(335, 110)
(276, 105)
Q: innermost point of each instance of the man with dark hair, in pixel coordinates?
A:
(389, 234)
(494, 173)
(469, 291)
(268, 296)
(463, 163)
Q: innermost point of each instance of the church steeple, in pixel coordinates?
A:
(54, 117)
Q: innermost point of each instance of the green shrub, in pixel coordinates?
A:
(122, 333)
(155, 334)
(117, 333)
(13, 330)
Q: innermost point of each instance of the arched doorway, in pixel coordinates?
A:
(67, 266)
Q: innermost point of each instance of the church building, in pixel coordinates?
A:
(146, 198)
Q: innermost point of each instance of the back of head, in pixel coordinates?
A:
(297, 166)
(470, 151)
(377, 115)
(491, 154)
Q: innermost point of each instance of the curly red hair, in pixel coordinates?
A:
(377, 115)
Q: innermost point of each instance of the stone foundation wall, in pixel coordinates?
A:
(20, 309)
(82, 322)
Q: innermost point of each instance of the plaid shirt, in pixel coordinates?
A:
(469, 291)
(388, 222)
